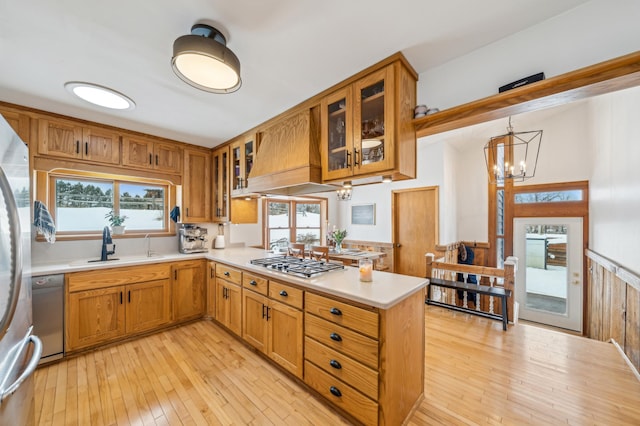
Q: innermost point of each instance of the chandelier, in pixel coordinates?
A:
(344, 193)
(513, 155)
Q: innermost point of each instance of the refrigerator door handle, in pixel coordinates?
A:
(29, 369)
(16, 253)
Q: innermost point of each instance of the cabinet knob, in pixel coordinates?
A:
(335, 391)
(283, 293)
(335, 364)
(253, 282)
(335, 311)
(226, 273)
(336, 337)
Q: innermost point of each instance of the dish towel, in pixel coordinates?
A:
(43, 221)
(175, 214)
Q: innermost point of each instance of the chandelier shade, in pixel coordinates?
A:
(512, 156)
(203, 60)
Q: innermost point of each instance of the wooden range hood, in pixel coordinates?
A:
(288, 157)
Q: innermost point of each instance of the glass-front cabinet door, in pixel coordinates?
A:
(242, 158)
(221, 184)
(337, 134)
(373, 114)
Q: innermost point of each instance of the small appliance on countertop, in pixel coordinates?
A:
(218, 243)
(192, 238)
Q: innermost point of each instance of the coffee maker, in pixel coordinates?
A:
(192, 238)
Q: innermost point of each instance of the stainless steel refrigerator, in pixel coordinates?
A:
(19, 349)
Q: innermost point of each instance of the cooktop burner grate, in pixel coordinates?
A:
(296, 266)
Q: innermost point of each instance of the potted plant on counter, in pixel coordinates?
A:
(116, 221)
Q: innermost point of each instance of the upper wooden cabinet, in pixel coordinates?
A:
(196, 186)
(68, 139)
(367, 129)
(242, 154)
(220, 170)
(145, 153)
(18, 121)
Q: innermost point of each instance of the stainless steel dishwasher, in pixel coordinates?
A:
(48, 314)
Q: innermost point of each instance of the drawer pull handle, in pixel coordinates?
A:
(335, 311)
(336, 337)
(335, 391)
(283, 293)
(226, 273)
(253, 282)
(335, 364)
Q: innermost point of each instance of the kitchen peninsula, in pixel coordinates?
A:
(359, 345)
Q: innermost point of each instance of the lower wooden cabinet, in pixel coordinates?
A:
(211, 289)
(148, 305)
(229, 305)
(188, 290)
(274, 328)
(94, 316)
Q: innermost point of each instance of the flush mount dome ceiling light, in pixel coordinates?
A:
(203, 60)
(99, 95)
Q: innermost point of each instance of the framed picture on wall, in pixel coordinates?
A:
(363, 214)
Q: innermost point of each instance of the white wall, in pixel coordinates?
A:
(593, 32)
(614, 129)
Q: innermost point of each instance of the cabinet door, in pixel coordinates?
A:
(148, 305)
(94, 316)
(60, 139)
(255, 326)
(234, 298)
(168, 158)
(220, 172)
(101, 145)
(374, 122)
(137, 152)
(337, 135)
(222, 305)
(211, 289)
(196, 187)
(188, 291)
(286, 337)
(19, 122)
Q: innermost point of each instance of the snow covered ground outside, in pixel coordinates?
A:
(549, 282)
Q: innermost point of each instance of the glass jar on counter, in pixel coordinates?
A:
(365, 266)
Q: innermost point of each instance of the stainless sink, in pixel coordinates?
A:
(98, 260)
(123, 259)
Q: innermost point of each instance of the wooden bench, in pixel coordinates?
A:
(500, 292)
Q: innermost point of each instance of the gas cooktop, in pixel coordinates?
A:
(295, 266)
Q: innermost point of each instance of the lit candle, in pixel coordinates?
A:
(366, 269)
(523, 167)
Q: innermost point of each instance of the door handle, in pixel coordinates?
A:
(31, 366)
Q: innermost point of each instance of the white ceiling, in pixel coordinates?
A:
(290, 50)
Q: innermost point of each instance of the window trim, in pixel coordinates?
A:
(45, 191)
(293, 202)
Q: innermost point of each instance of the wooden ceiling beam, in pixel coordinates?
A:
(609, 76)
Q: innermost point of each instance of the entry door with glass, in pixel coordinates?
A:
(549, 278)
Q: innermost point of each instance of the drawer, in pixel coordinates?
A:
(342, 367)
(357, 346)
(355, 318)
(286, 294)
(255, 283)
(341, 394)
(102, 278)
(229, 274)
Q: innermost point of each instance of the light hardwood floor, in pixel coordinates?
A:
(475, 374)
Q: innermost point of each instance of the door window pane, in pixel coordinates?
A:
(80, 205)
(143, 205)
(546, 262)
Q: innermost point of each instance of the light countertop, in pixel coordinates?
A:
(383, 292)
